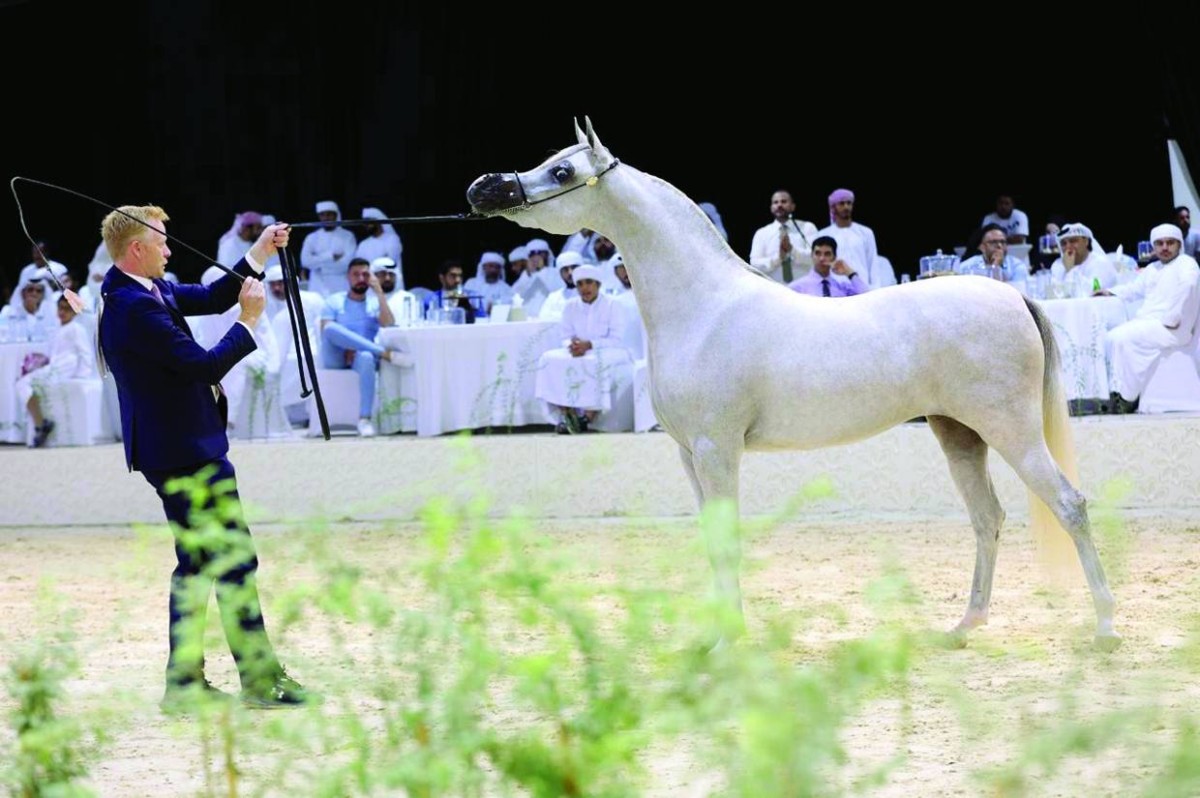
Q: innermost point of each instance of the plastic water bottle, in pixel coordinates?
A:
(517, 312)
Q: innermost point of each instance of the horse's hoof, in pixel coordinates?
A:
(955, 639)
(722, 645)
(1108, 642)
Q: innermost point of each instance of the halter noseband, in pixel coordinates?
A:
(591, 181)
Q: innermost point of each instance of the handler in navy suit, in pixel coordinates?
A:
(173, 415)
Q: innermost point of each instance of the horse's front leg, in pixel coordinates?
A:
(713, 468)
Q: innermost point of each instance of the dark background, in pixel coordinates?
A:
(209, 108)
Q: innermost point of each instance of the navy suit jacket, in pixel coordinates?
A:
(165, 379)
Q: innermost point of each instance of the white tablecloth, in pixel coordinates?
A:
(13, 418)
(1079, 328)
(469, 376)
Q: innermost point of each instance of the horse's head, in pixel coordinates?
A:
(556, 195)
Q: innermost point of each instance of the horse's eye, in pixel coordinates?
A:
(562, 173)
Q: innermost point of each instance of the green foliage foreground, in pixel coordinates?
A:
(511, 675)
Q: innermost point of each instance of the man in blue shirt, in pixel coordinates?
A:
(349, 324)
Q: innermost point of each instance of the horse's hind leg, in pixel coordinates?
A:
(967, 455)
(1041, 474)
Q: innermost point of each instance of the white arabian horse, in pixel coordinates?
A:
(741, 362)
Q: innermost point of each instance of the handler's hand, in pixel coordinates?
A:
(253, 299)
(273, 238)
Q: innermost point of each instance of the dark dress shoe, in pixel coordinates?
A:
(42, 433)
(282, 692)
(1119, 406)
(181, 698)
(572, 422)
(561, 429)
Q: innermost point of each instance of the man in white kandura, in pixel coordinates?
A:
(1082, 261)
(327, 251)
(577, 380)
(1170, 292)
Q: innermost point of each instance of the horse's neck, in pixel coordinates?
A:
(674, 256)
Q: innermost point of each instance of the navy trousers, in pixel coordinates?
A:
(212, 547)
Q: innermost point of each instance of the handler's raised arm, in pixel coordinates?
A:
(273, 238)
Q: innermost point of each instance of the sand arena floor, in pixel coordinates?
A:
(969, 708)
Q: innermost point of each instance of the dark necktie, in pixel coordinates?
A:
(785, 259)
(825, 286)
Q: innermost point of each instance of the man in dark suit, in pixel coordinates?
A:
(173, 415)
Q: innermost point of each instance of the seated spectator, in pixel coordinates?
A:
(349, 324)
(313, 305)
(406, 308)
(1082, 264)
(233, 248)
(579, 241)
(311, 302)
(30, 319)
(552, 308)
(72, 357)
(38, 265)
(820, 282)
(97, 268)
(1170, 292)
(576, 381)
(538, 256)
(631, 324)
(488, 281)
(451, 294)
(601, 250)
(264, 361)
(993, 252)
(619, 284)
(518, 268)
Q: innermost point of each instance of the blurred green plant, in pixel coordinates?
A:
(484, 660)
(48, 757)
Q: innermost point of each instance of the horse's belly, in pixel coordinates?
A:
(774, 432)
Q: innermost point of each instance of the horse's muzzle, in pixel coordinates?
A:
(492, 193)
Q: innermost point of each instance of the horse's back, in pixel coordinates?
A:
(812, 372)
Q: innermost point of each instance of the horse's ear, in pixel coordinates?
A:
(579, 133)
(594, 140)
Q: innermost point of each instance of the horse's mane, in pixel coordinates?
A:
(719, 242)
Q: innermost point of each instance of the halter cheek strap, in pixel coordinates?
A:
(591, 181)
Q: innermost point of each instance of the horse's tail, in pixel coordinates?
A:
(1054, 544)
